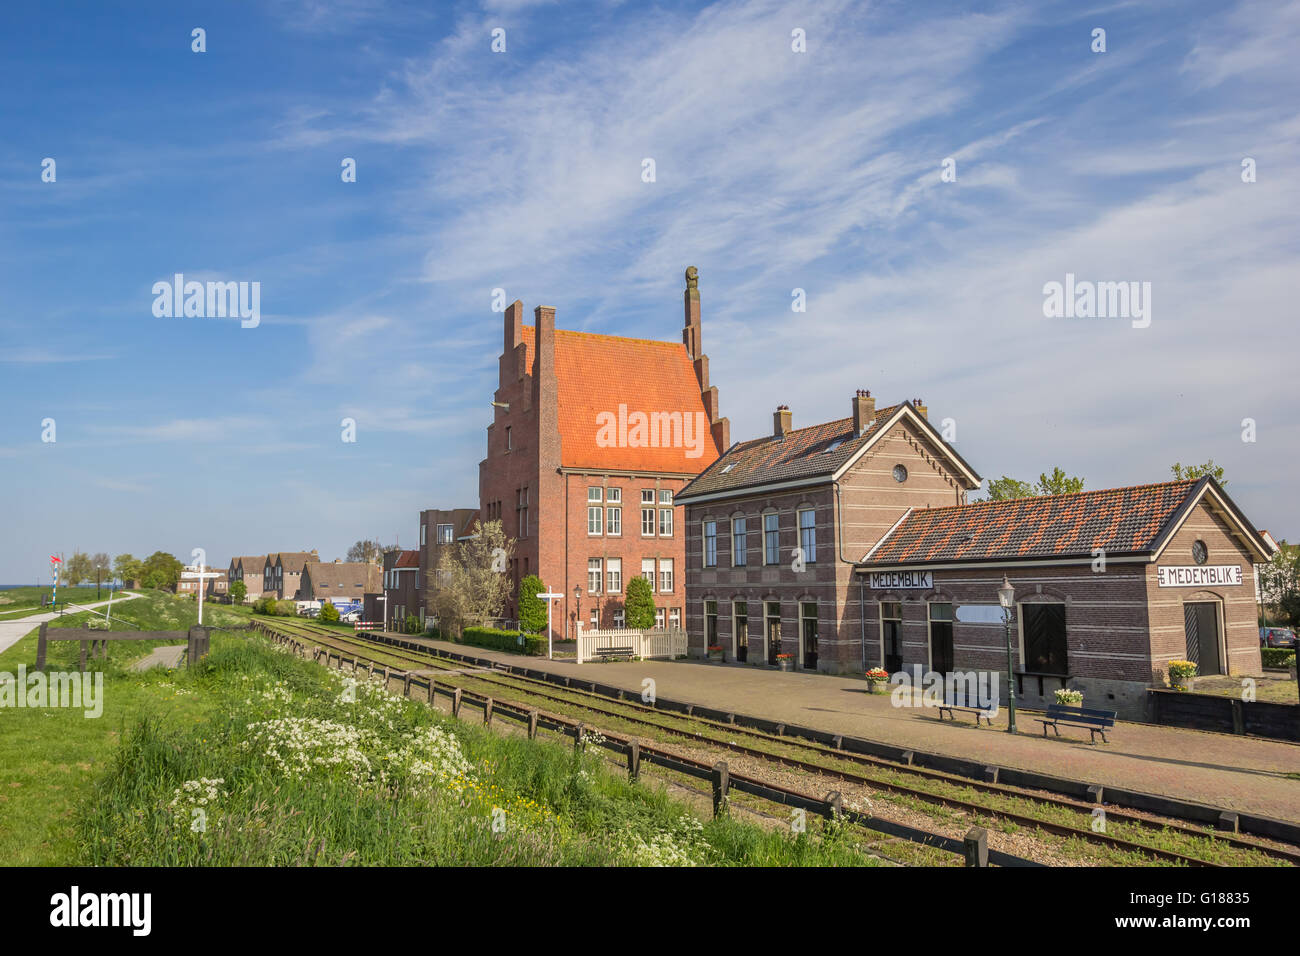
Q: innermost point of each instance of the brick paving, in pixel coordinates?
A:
(1246, 774)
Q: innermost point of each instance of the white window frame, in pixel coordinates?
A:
(650, 575)
(614, 521)
(614, 575)
(665, 575)
(808, 532)
(771, 556)
(665, 521)
(595, 519)
(743, 551)
(705, 536)
(595, 494)
(595, 566)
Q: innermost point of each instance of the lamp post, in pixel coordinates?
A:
(1007, 598)
(577, 609)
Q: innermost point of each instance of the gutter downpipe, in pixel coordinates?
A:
(862, 594)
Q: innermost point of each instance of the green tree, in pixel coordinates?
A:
(1182, 471)
(639, 605)
(127, 569)
(532, 609)
(1279, 584)
(238, 591)
(1004, 489)
(472, 583)
(161, 570)
(1057, 483)
(329, 614)
(77, 569)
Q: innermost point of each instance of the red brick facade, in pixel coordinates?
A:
(566, 422)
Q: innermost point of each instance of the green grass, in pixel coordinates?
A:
(23, 602)
(79, 791)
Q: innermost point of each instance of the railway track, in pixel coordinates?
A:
(638, 714)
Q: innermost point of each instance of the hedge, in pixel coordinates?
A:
(1277, 656)
(509, 641)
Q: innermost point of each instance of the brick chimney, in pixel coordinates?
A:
(691, 331)
(920, 407)
(864, 411)
(781, 421)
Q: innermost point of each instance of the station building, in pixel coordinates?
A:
(851, 544)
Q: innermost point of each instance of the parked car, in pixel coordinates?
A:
(351, 617)
(1276, 637)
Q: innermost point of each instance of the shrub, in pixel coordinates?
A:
(1277, 657)
(329, 614)
(639, 607)
(499, 640)
(264, 605)
(412, 625)
(238, 591)
(532, 609)
(285, 608)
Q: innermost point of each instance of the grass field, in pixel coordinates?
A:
(22, 602)
(258, 758)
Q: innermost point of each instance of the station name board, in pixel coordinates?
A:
(1192, 576)
(900, 580)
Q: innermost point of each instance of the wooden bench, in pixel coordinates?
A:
(614, 653)
(952, 708)
(1096, 721)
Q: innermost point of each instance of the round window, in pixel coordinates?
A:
(1200, 554)
(900, 473)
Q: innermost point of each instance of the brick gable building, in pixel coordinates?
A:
(592, 438)
(831, 491)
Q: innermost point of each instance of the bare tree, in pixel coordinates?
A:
(472, 583)
(368, 551)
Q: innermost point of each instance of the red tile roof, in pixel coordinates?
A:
(1121, 520)
(597, 373)
(407, 559)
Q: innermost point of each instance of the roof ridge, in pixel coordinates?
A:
(1063, 494)
(605, 335)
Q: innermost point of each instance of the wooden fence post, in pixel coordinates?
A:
(633, 760)
(487, 712)
(721, 784)
(834, 805)
(977, 847)
(406, 685)
(579, 740)
(432, 684)
(532, 725)
(455, 702)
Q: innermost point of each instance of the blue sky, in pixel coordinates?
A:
(775, 170)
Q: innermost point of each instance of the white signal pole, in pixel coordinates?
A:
(550, 598)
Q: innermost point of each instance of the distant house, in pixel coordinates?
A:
(212, 587)
(248, 568)
(401, 579)
(282, 573)
(439, 530)
(336, 581)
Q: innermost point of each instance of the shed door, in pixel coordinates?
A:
(1201, 624)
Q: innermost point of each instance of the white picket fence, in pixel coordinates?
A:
(654, 642)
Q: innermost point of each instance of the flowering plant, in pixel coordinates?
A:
(785, 657)
(715, 648)
(877, 675)
(1069, 698)
(1182, 669)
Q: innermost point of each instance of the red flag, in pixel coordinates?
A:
(55, 560)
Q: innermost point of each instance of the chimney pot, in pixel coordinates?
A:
(864, 411)
(781, 419)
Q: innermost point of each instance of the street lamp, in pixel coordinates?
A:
(577, 609)
(1007, 598)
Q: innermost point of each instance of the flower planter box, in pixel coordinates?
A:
(715, 656)
(785, 665)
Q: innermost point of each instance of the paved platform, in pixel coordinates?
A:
(1247, 774)
(168, 656)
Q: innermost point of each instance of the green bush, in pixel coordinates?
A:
(499, 640)
(412, 624)
(639, 608)
(285, 608)
(329, 614)
(264, 605)
(1277, 656)
(532, 609)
